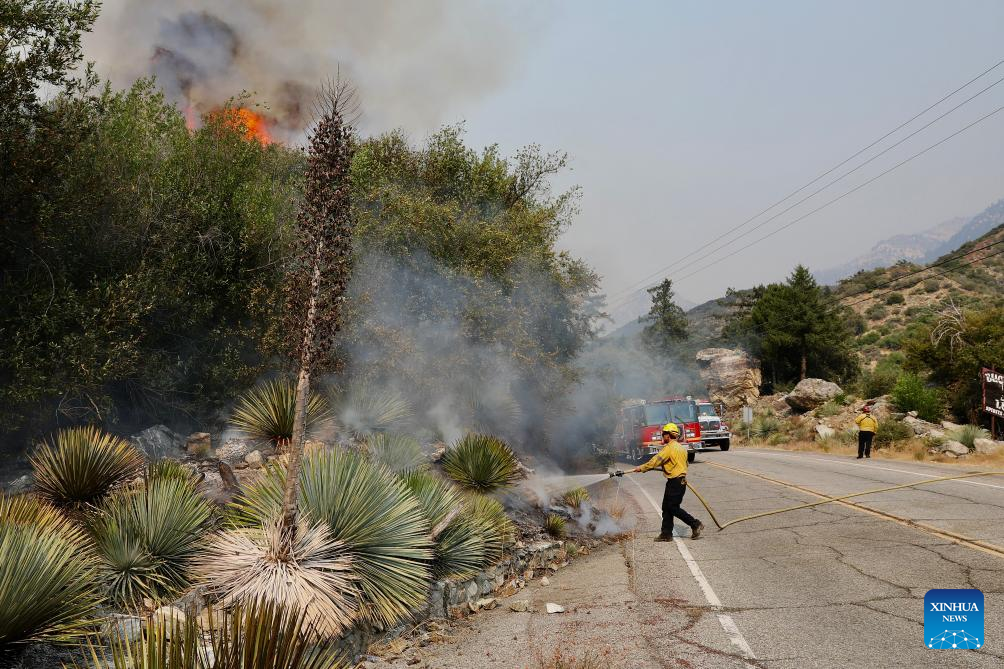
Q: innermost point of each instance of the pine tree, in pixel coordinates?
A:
(797, 330)
(666, 324)
(319, 274)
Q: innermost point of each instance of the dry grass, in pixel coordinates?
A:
(248, 565)
(562, 660)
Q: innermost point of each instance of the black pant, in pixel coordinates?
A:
(865, 443)
(671, 500)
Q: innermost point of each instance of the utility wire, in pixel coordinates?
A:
(823, 175)
(819, 190)
(843, 195)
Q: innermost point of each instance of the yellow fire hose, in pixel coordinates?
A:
(828, 500)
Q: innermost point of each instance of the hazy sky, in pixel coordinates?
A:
(683, 119)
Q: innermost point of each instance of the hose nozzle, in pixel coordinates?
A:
(616, 473)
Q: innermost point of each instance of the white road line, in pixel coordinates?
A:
(725, 620)
(870, 466)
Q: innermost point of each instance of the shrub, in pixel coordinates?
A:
(932, 286)
(170, 469)
(895, 298)
(460, 544)
(490, 517)
(968, 434)
(365, 409)
(575, 497)
(397, 452)
(253, 636)
(481, 462)
(309, 572)
(910, 394)
(267, 411)
(875, 312)
(764, 426)
(367, 508)
(554, 525)
(869, 338)
(830, 408)
(82, 466)
(891, 431)
(47, 590)
(147, 538)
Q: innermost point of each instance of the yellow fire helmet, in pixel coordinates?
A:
(671, 428)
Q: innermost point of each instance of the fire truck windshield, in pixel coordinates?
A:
(658, 413)
(706, 409)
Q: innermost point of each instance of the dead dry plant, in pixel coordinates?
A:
(313, 575)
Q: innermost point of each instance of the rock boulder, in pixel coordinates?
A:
(825, 431)
(988, 446)
(159, 442)
(730, 375)
(811, 393)
(954, 447)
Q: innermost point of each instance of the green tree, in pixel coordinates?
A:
(665, 323)
(796, 330)
(954, 349)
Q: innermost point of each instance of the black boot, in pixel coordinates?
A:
(695, 531)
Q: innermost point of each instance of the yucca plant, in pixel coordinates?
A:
(481, 462)
(554, 525)
(267, 410)
(399, 453)
(247, 565)
(254, 636)
(490, 518)
(367, 508)
(575, 497)
(968, 434)
(460, 541)
(170, 469)
(365, 409)
(81, 466)
(499, 412)
(147, 537)
(47, 584)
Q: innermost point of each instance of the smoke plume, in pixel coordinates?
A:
(413, 62)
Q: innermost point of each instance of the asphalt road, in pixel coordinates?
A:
(831, 586)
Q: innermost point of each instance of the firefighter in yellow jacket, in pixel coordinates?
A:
(672, 461)
(867, 425)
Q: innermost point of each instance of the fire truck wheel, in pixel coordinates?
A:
(691, 456)
(724, 445)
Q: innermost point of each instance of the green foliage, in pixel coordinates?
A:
(147, 538)
(267, 410)
(47, 590)
(399, 453)
(968, 434)
(82, 465)
(575, 497)
(793, 328)
(869, 338)
(367, 508)
(954, 348)
(252, 636)
(490, 517)
(554, 525)
(831, 408)
(481, 462)
(665, 323)
(170, 469)
(876, 312)
(895, 298)
(881, 380)
(366, 409)
(932, 286)
(119, 308)
(460, 544)
(892, 431)
(911, 394)
(764, 426)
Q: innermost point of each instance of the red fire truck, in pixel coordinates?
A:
(638, 435)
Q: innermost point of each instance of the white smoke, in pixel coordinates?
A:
(412, 62)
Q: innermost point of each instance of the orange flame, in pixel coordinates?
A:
(251, 125)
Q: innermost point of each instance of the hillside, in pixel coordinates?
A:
(921, 247)
(889, 311)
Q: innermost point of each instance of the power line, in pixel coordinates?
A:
(821, 176)
(843, 195)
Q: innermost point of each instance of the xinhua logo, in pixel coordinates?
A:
(953, 619)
